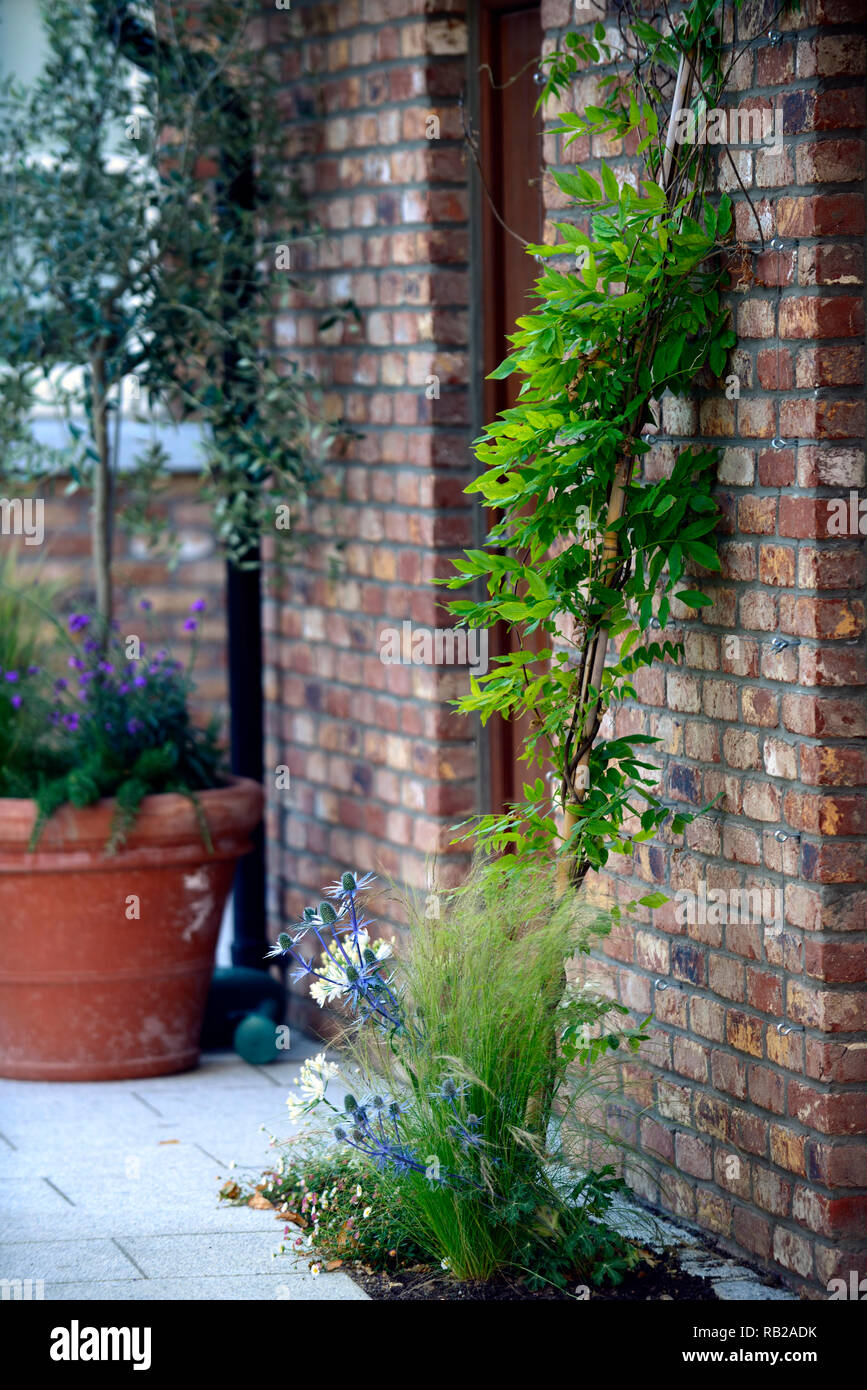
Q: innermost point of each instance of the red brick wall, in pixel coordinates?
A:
(755, 1135)
(379, 766)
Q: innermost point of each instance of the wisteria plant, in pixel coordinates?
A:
(455, 1091)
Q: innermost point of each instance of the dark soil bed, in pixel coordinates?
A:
(657, 1277)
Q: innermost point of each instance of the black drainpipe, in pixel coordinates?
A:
(244, 614)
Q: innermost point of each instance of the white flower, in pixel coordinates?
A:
(316, 1072)
(445, 1264)
(367, 1211)
(313, 1081)
(333, 966)
(315, 1270)
(358, 1190)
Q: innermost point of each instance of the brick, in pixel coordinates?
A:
(726, 978)
(760, 707)
(777, 563)
(771, 1191)
(788, 1149)
(818, 715)
(836, 1165)
(780, 758)
(657, 1139)
(794, 1252)
(762, 801)
(752, 1232)
(690, 1059)
(729, 1074)
(707, 1018)
(830, 1216)
(828, 1113)
(757, 515)
(833, 766)
(741, 845)
(684, 693)
(674, 1102)
(693, 1155)
(749, 1132)
(741, 748)
(744, 1032)
(830, 569)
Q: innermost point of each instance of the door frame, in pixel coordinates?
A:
(497, 745)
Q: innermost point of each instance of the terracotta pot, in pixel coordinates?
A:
(87, 990)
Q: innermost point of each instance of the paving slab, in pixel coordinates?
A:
(280, 1287)
(109, 1190)
(63, 1261)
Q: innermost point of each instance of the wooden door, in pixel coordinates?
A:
(511, 158)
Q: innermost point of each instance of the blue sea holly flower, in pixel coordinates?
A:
(450, 1090)
(349, 884)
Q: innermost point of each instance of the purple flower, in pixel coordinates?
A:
(190, 625)
(91, 646)
(75, 663)
(61, 684)
(105, 666)
(33, 670)
(145, 605)
(140, 681)
(123, 688)
(133, 726)
(78, 621)
(199, 606)
(71, 721)
(12, 675)
(16, 701)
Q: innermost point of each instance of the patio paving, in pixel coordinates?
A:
(108, 1190)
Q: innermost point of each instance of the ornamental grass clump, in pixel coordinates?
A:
(474, 1079)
